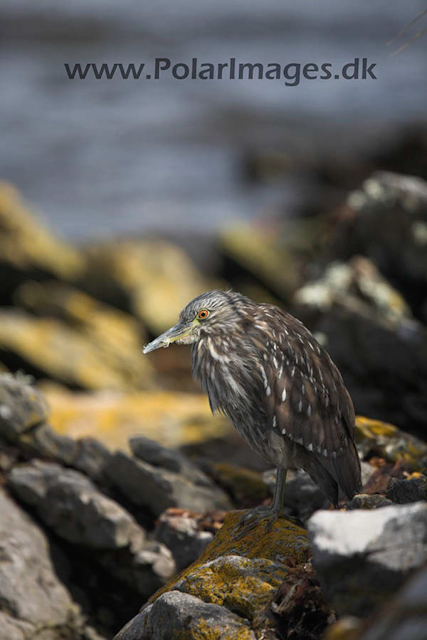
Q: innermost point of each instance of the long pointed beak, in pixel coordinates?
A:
(177, 332)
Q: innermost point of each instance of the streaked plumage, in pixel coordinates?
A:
(260, 366)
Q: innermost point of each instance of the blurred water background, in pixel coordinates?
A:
(106, 157)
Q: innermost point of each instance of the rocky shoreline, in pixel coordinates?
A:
(90, 536)
(135, 528)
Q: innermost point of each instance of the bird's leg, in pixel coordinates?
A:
(279, 490)
(271, 513)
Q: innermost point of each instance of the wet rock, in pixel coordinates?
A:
(116, 336)
(364, 501)
(50, 348)
(158, 489)
(73, 507)
(22, 407)
(34, 601)
(410, 490)
(176, 615)
(179, 531)
(360, 572)
(152, 279)
(28, 250)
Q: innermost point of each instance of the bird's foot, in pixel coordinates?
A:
(255, 517)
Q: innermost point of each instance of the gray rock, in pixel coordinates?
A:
(158, 489)
(31, 595)
(363, 557)
(13, 629)
(92, 458)
(180, 533)
(410, 490)
(43, 442)
(73, 507)
(406, 616)
(21, 406)
(174, 614)
(159, 456)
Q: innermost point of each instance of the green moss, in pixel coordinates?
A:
(246, 487)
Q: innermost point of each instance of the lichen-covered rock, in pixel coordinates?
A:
(51, 348)
(239, 571)
(179, 531)
(179, 616)
(363, 557)
(170, 418)
(28, 250)
(397, 205)
(153, 279)
(246, 486)
(22, 407)
(73, 507)
(351, 309)
(116, 336)
(263, 257)
(33, 600)
(158, 489)
(384, 440)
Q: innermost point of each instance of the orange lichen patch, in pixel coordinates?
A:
(206, 630)
(383, 440)
(367, 428)
(170, 418)
(285, 544)
(242, 585)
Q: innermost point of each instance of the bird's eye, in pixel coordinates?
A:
(203, 314)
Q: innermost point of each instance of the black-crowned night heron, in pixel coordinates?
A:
(260, 366)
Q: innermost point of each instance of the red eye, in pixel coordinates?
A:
(203, 314)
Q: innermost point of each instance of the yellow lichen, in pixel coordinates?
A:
(367, 428)
(284, 543)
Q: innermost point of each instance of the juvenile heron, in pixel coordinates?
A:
(261, 366)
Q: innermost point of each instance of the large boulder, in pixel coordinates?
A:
(363, 557)
(371, 335)
(234, 586)
(34, 601)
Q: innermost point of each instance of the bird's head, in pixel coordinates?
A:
(210, 313)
